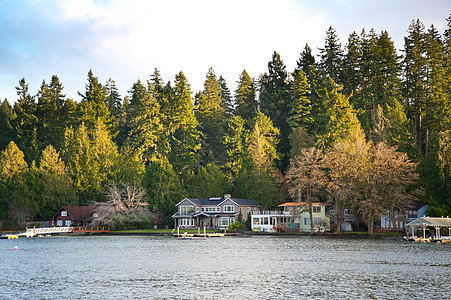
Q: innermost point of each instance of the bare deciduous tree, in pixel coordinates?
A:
(346, 163)
(389, 177)
(306, 177)
(125, 200)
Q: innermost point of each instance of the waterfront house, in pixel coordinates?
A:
(398, 219)
(217, 212)
(294, 216)
(74, 215)
(349, 223)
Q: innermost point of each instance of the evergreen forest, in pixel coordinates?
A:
(361, 126)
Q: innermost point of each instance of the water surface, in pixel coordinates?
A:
(119, 267)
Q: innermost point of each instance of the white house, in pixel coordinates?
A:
(293, 217)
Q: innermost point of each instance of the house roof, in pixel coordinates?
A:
(418, 205)
(218, 200)
(298, 204)
(79, 212)
(427, 221)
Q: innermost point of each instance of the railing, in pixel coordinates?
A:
(272, 212)
(90, 229)
(47, 230)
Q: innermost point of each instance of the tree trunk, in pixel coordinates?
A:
(370, 227)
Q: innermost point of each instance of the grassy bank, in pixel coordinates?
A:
(159, 231)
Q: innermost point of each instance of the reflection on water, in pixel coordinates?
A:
(105, 267)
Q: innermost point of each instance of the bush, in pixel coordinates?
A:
(235, 226)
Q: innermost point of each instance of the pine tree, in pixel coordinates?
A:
(340, 120)
(300, 114)
(6, 124)
(245, 98)
(275, 102)
(25, 122)
(49, 111)
(226, 96)
(351, 73)
(163, 188)
(56, 185)
(307, 63)
(207, 182)
(211, 116)
(184, 139)
(259, 179)
(16, 205)
(144, 121)
(415, 80)
(332, 56)
(113, 98)
(233, 145)
(93, 105)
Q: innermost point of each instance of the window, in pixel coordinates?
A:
(210, 209)
(59, 223)
(186, 210)
(307, 221)
(229, 208)
(95, 215)
(67, 223)
(63, 213)
(316, 209)
(232, 219)
(317, 221)
(224, 221)
(185, 222)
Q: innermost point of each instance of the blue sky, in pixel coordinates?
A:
(126, 40)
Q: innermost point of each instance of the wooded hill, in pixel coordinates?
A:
(359, 126)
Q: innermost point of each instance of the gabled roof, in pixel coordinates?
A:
(192, 200)
(427, 221)
(78, 212)
(215, 201)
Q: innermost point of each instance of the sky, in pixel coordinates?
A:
(127, 40)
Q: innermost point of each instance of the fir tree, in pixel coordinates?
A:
(275, 102)
(332, 56)
(245, 98)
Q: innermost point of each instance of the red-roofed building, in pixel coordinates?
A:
(74, 215)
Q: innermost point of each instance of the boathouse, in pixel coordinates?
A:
(441, 229)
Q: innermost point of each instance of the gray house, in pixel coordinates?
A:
(398, 219)
(217, 212)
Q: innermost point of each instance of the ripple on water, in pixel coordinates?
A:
(108, 267)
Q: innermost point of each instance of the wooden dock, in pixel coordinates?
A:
(91, 229)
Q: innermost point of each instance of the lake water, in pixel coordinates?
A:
(256, 267)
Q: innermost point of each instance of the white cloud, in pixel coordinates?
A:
(126, 40)
(191, 36)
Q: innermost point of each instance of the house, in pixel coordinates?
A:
(349, 223)
(217, 212)
(74, 215)
(399, 218)
(293, 217)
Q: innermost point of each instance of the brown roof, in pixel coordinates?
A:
(79, 212)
